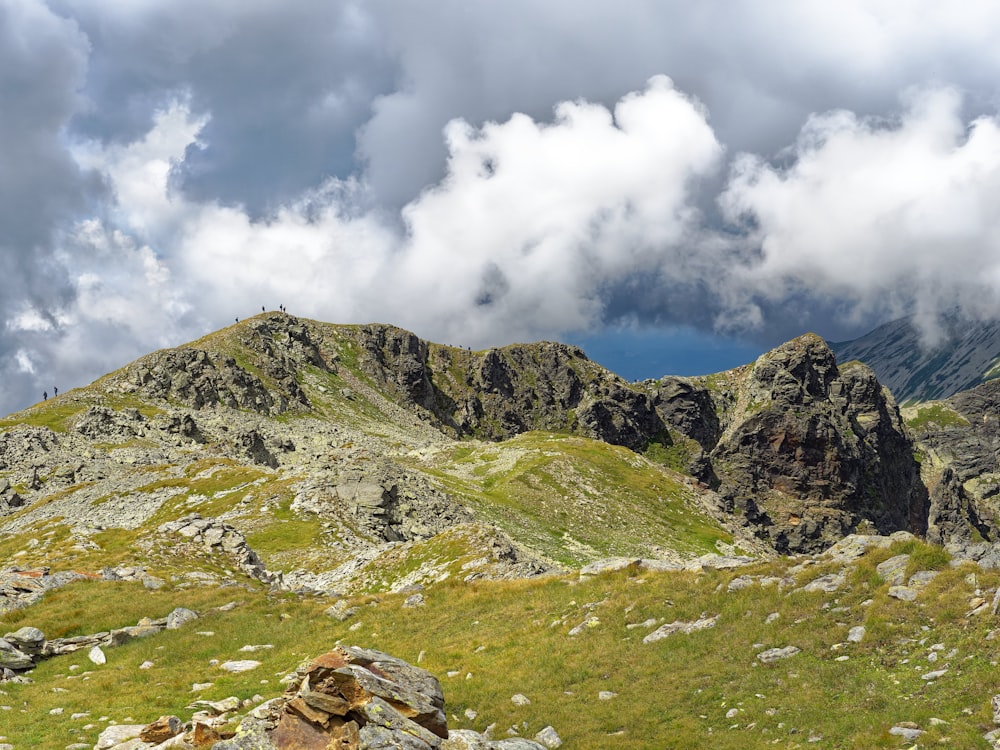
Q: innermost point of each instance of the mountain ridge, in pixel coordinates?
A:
(244, 393)
(967, 354)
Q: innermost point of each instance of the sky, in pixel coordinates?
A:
(676, 186)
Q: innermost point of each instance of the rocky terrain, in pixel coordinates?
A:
(362, 438)
(284, 457)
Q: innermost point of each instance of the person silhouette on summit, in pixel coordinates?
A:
(55, 391)
(45, 395)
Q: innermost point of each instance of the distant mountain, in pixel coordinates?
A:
(968, 356)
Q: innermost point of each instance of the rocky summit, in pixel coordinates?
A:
(524, 524)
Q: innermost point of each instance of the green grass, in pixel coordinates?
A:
(935, 414)
(498, 638)
(576, 499)
(676, 454)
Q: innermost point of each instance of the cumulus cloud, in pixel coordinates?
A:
(535, 221)
(531, 225)
(480, 173)
(895, 216)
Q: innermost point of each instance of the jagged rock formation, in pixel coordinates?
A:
(503, 392)
(198, 378)
(959, 439)
(812, 451)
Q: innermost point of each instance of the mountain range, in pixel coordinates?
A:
(961, 355)
(303, 467)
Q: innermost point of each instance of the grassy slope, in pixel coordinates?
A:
(576, 499)
(502, 638)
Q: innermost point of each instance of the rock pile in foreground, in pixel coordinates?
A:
(350, 698)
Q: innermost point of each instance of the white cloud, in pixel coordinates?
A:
(23, 362)
(896, 215)
(521, 238)
(534, 221)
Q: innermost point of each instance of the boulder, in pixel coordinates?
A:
(351, 695)
(179, 617)
(772, 655)
(13, 658)
(29, 640)
(161, 730)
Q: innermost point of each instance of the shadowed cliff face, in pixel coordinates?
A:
(811, 452)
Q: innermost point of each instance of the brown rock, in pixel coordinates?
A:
(293, 731)
(206, 736)
(161, 730)
(344, 736)
(335, 705)
(307, 712)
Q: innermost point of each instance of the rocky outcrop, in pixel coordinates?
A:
(953, 517)
(499, 393)
(959, 441)
(102, 423)
(200, 379)
(9, 498)
(24, 445)
(23, 649)
(383, 501)
(351, 698)
(688, 407)
(814, 451)
(20, 588)
(216, 537)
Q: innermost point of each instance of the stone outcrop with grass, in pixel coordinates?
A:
(958, 443)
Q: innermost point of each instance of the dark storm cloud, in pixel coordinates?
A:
(42, 63)
(285, 85)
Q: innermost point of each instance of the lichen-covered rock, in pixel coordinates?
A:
(959, 440)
